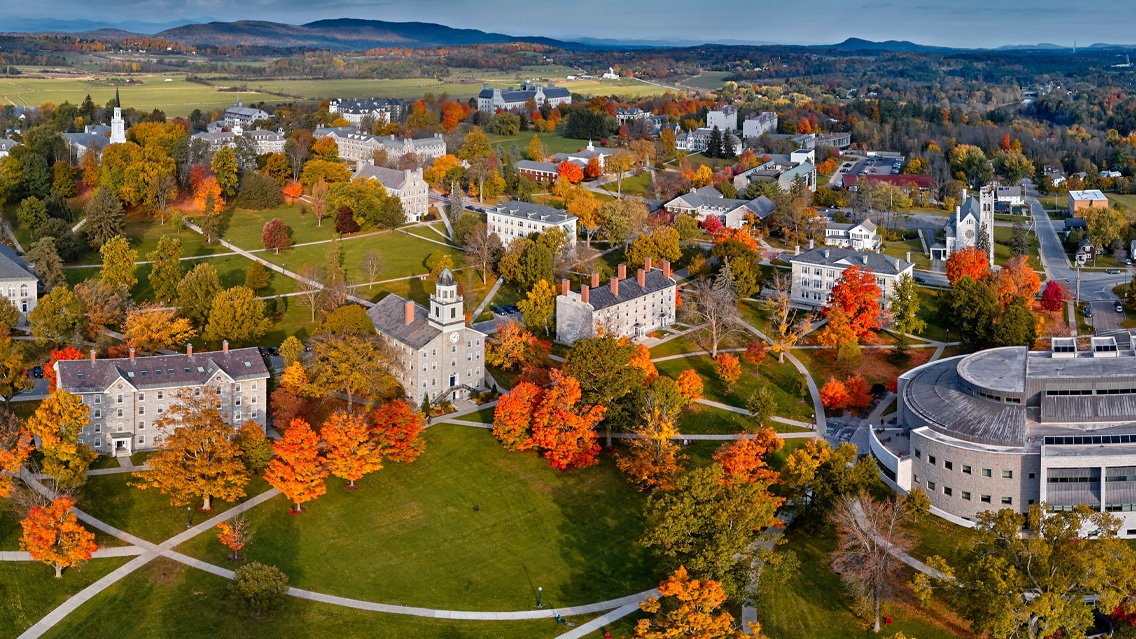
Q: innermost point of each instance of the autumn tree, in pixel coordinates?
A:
(151, 328)
(225, 167)
(602, 367)
(118, 263)
(512, 347)
(817, 475)
(351, 363)
(256, 449)
(350, 450)
(642, 360)
(539, 306)
(690, 385)
(1053, 297)
(197, 458)
(397, 431)
(714, 305)
(57, 318)
(688, 607)
(854, 310)
(238, 316)
(235, 534)
(728, 369)
(834, 395)
(196, 292)
(57, 422)
(276, 235)
(1016, 279)
(871, 537)
(512, 417)
(166, 271)
(16, 445)
(783, 319)
(744, 460)
(653, 459)
(570, 171)
(969, 262)
(563, 430)
(298, 470)
(53, 535)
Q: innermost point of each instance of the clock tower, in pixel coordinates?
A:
(446, 306)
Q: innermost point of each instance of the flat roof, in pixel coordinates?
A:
(1090, 194)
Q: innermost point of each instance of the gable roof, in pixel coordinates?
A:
(389, 318)
(527, 211)
(529, 165)
(390, 178)
(844, 258)
(629, 289)
(12, 266)
(710, 197)
(85, 376)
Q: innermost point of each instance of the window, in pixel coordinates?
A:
(141, 410)
(965, 469)
(984, 499)
(986, 472)
(98, 428)
(98, 443)
(119, 399)
(141, 439)
(141, 425)
(237, 415)
(966, 495)
(253, 414)
(947, 491)
(930, 485)
(1032, 475)
(120, 412)
(254, 385)
(1007, 474)
(98, 399)
(237, 387)
(23, 290)
(237, 401)
(161, 395)
(931, 459)
(98, 413)
(949, 465)
(918, 453)
(1007, 500)
(254, 399)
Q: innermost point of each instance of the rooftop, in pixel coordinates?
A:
(160, 371)
(844, 258)
(527, 211)
(1089, 195)
(389, 317)
(629, 289)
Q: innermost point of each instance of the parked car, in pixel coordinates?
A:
(1119, 307)
(919, 279)
(1113, 271)
(37, 372)
(1087, 311)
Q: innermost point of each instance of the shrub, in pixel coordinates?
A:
(258, 588)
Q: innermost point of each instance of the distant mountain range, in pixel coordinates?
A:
(354, 34)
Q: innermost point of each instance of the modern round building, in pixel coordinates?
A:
(1008, 427)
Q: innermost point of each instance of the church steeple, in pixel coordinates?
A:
(117, 102)
(445, 304)
(117, 124)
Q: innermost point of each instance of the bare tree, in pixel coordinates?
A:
(479, 171)
(297, 150)
(481, 246)
(714, 305)
(310, 288)
(870, 536)
(372, 265)
(165, 188)
(787, 329)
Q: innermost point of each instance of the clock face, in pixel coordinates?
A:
(454, 337)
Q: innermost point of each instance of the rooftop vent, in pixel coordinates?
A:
(1104, 347)
(1064, 347)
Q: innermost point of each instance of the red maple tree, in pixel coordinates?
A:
(743, 461)
(57, 355)
(564, 431)
(834, 395)
(351, 452)
(859, 392)
(276, 235)
(397, 431)
(968, 262)
(857, 294)
(1053, 297)
(512, 418)
(570, 171)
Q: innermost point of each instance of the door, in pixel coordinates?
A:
(453, 380)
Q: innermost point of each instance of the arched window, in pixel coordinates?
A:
(23, 290)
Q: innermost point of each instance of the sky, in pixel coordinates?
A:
(953, 23)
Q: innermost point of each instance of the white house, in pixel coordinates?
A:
(243, 115)
(758, 125)
(263, 140)
(6, 146)
(1010, 196)
(407, 185)
(629, 308)
(125, 396)
(709, 202)
(817, 270)
(583, 157)
(725, 118)
(440, 357)
(698, 140)
(511, 220)
(861, 236)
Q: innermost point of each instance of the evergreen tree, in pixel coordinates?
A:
(1019, 239)
(104, 218)
(983, 243)
(457, 205)
(714, 146)
(46, 263)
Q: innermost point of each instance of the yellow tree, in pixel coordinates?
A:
(539, 306)
(118, 263)
(653, 459)
(586, 208)
(199, 458)
(151, 328)
(57, 423)
(15, 446)
(689, 608)
(351, 451)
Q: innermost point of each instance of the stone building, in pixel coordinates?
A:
(406, 185)
(362, 147)
(126, 395)
(817, 270)
(629, 308)
(383, 110)
(1007, 428)
(18, 282)
(493, 100)
(973, 218)
(264, 141)
(510, 220)
(439, 355)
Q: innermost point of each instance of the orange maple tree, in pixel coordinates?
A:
(58, 354)
(53, 535)
(16, 444)
(642, 360)
(1016, 279)
(968, 262)
(756, 352)
(743, 461)
(297, 470)
(834, 395)
(235, 534)
(593, 169)
(689, 608)
(570, 171)
(513, 347)
(729, 370)
(512, 418)
(351, 452)
(293, 191)
(859, 393)
(397, 431)
(690, 385)
(564, 431)
(206, 187)
(742, 235)
(857, 295)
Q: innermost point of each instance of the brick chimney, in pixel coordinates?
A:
(584, 293)
(641, 278)
(647, 264)
(189, 349)
(132, 354)
(92, 356)
(595, 279)
(565, 286)
(224, 346)
(615, 285)
(666, 268)
(409, 312)
(622, 271)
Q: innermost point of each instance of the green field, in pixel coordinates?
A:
(709, 80)
(466, 526)
(403, 255)
(29, 590)
(781, 379)
(145, 93)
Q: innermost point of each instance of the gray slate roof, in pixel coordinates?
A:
(389, 318)
(8, 145)
(161, 371)
(390, 178)
(529, 165)
(528, 211)
(710, 197)
(12, 266)
(844, 257)
(629, 289)
(527, 94)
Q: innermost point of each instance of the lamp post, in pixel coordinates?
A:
(189, 516)
(539, 596)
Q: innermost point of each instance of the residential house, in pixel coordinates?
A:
(93, 139)
(629, 308)
(861, 236)
(126, 396)
(493, 100)
(511, 220)
(1010, 196)
(406, 185)
(709, 202)
(632, 115)
(817, 270)
(18, 282)
(439, 356)
(975, 216)
(758, 125)
(6, 146)
(1079, 201)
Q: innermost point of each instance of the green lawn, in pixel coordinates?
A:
(701, 419)
(677, 346)
(553, 142)
(168, 600)
(781, 378)
(411, 534)
(709, 80)
(635, 185)
(144, 513)
(402, 254)
(1002, 236)
(29, 590)
(814, 603)
(929, 313)
(485, 416)
(244, 227)
(146, 93)
(901, 249)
